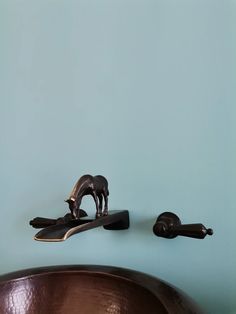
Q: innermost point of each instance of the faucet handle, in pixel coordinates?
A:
(168, 225)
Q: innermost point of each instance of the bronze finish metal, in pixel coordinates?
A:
(60, 229)
(41, 222)
(88, 289)
(96, 186)
(168, 225)
(116, 220)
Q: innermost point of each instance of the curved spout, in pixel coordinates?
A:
(115, 220)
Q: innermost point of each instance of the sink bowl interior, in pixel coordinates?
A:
(88, 290)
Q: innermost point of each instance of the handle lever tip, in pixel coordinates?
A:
(210, 231)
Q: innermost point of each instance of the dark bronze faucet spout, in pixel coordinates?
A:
(115, 220)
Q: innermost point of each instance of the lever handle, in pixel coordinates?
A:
(168, 225)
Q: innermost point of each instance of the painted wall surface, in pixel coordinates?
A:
(142, 92)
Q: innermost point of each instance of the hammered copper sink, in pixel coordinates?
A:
(89, 289)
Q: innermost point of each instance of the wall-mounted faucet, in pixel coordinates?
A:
(56, 230)
(168, 225)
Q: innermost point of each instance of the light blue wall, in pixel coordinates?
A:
(142, 92)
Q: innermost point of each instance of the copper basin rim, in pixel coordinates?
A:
(90, 289)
